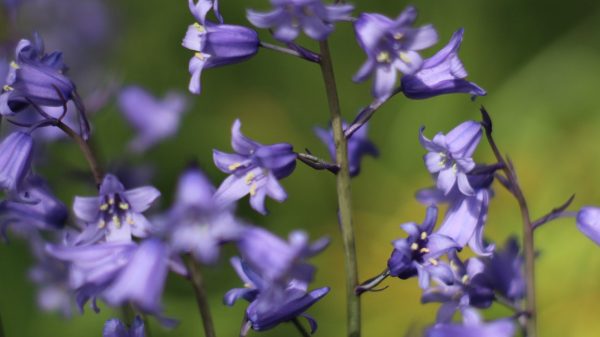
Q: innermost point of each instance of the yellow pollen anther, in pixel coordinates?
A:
(404, 57)
(465, 279)
(433, 262)
(249, 178)
(8, 88)
(129, 220)
(234, 166)
(253, 189)
(423, 235)
(14, 65)
(384, 56)
(103, 207)
(199, 27)
(424, 250)
(111, 201)
(101, 224)
(398, 36)
(124, 206)
(454, 168)
(414, 246)
(200, 56)
(117, 222)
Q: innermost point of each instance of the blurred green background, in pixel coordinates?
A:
(538, 60)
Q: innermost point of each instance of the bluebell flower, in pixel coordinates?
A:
(289, 17)
(15, 160)
(359, 145)
(115, 328)
(195, 223)
(504, 271)
(443, 73)
(254, 169)
(117, 213)
(201, 8)
(36, 77)
(498, 328)
(466, 215)
(35, 205)
(153, 119)
(272, 304)
(391, 46)
(588, 222)
(217, 45)
(450, 156)
(277, 260)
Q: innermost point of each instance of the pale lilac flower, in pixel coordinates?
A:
(443, 73)
(254, 169)
(450, 156)
(115, 328)
(499, 328)
(51, 276)
(289, 17)
(391, 46)
(117, 213)
(154, 119)
(201, 8)
(359, 145)
(15, 160)
(588, 222)
(217, 45)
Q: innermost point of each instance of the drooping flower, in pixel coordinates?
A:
(201, 8)
(391, 46)
(36, 77)
(504, 271)
(289, 17)
(254, 169)
(153, 119)
(359, 145)
(196, 223)
(498, 328)
(277, 260)
(35, 205)
(115, 328)
(588, 222)
(15, 160)
(117, 213)
(450, 156)
(443, 73)
(272, 303)
(217, 45)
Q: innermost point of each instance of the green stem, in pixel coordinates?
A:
(343, 192)
(201, 298)
(300, 328)
(85, 149)
(1, 328)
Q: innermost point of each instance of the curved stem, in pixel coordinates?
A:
(85, 149)
(317, 163)
(300, 328)
(201, 298)
(528, 240)
(285, 50)
(343, 192)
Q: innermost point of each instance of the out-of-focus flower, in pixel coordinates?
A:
(504, 271)
(359, 145)
(443, 73)
(15, 160)
(289, 17)
(217, 45)
(588, 222)
(499, 328)
(195, 223)
(391, 46)
(153, 119)
(117, 213)
(450, 156)
(51, 276)
(115, 328)
(254, 169)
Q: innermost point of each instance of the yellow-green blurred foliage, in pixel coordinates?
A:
(539, 61)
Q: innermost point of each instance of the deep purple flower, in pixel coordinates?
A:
(115, 328)
(15, 160)
(443, 73)
(288, 17)
(255, 169)
(196, 223)
(153, 119)
(36, 77)
(277, 260)
(391, 46)
(499, 328)
(450, 156)
(217, 45)
(117, 213)
(35, 205)
(504, 271)
(359, 145)
(588, 222)
(272, 304)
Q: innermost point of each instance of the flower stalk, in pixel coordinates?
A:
(201, 298)
(343, 192)
(300, 328)
(1, 327)
(528, 228)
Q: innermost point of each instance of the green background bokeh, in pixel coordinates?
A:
(538, 60)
